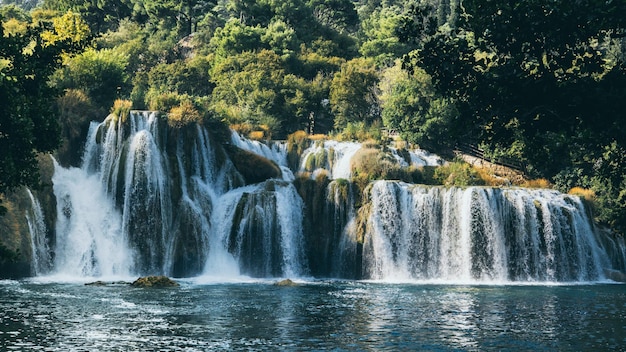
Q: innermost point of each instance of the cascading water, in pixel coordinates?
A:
(90, 240)
(336, 158)
(150, 199)
(275, 151)
(478, 234)
(265, 233)
(42, 260)
(332, 156)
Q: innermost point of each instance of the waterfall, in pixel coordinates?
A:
(151, 199)
(478, 234)
(90, 240)
(336, 158)
(275, 151)
(332, 156)
(265, 230)
(42, 260)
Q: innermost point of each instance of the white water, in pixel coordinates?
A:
(149, 200)
(479, 235)
(40, 247)
(90, 240)
(275, 151)
(117, 216)
(336, 158)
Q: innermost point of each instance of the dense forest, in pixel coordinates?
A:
(542, 83)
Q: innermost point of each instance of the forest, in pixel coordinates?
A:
(540, 83)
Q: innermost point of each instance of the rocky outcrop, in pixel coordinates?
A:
(154, 282)
(254, 168)
(285, 283)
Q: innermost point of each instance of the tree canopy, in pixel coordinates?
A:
(538, 82)
(541, 82)
(28, 122)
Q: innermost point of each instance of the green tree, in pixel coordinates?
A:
(235, 38)
(101, 15)
(531, 74)
(378, 35)
(28, 123)
(339, 15)
(411, 106)
(352, 93)
(99, 73)
(182, 15)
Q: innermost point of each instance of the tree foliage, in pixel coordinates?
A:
(28, 123)
(535, 80)
(352, 95)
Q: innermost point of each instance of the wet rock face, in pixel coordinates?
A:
(154, 281)
(254, 168)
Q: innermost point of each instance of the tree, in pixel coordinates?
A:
(99, 73)
(379, 36)
(352, 93)
(531, 74)
(181, 14)
(28, 123)
(411, 106)
(101, 15)
(539, 81)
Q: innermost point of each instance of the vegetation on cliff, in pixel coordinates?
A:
(534, 82)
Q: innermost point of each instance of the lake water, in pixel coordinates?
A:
(318, 315)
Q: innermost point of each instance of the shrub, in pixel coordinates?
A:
(458, 174)
(587, 194)
(537, 183)
(183, 115)
(162, 101)
(256, 135)
(121, 109)
(297, 142)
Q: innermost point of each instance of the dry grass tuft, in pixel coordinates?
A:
(585, 193)
(537, 183)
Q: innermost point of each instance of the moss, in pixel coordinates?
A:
(154, 282)
(15, 243)
(121, 110)
(254, 168)
(297, 142)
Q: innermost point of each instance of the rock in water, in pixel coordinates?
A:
(154, 281)
(285, 282)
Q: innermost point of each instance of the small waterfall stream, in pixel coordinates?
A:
(150, 199)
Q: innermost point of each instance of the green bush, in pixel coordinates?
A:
(457, 174)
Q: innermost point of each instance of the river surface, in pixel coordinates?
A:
(318, 315)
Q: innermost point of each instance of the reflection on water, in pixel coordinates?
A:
(312, 316)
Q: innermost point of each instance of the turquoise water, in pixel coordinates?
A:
(319, 315)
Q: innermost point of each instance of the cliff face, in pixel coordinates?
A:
(19, 221)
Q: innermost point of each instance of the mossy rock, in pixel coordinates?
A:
(285, 283)
(101, 283)
(154, 281)
(254, 168)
